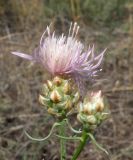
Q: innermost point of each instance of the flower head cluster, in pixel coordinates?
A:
(66, 56)
(93, 111)
(58, 97)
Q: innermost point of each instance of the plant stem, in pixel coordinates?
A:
(62, 141)
(81, 145)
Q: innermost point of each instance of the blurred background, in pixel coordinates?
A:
(105, 23)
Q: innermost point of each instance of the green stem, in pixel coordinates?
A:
(81, 145)
(62, 141)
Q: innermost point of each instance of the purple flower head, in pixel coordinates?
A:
(65, 55)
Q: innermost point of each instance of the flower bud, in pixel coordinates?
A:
(45, 90)
(88, 108)
(60, 97)
(98, 101)
(91, 119)
(52, 112)
(68, 105)
(76, 97)
(55, 96)
(99, 107)
(57, 81)
(104, 115)
(43, 100)
(92, 111)
(79, 118)
(49, 84)
(67, 88)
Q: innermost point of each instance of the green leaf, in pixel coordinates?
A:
(98, 145)
(45, 138)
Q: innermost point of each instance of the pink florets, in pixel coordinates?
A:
(65, 55)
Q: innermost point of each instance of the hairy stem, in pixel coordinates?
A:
(81, 145)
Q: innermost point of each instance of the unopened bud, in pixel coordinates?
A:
(43, 100)
(93, 111)
(67, 88)
(57, 81)
(105, 115)
(76, 97)
(59, 96)
(49, 84)
(79, 118)
(87, 108)
(68, 105)
(91, 119)
(45, 90)
(99, 107)
(55, 96)
(51, 111)
(98, 101)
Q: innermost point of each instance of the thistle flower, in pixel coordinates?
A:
(66, 56)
